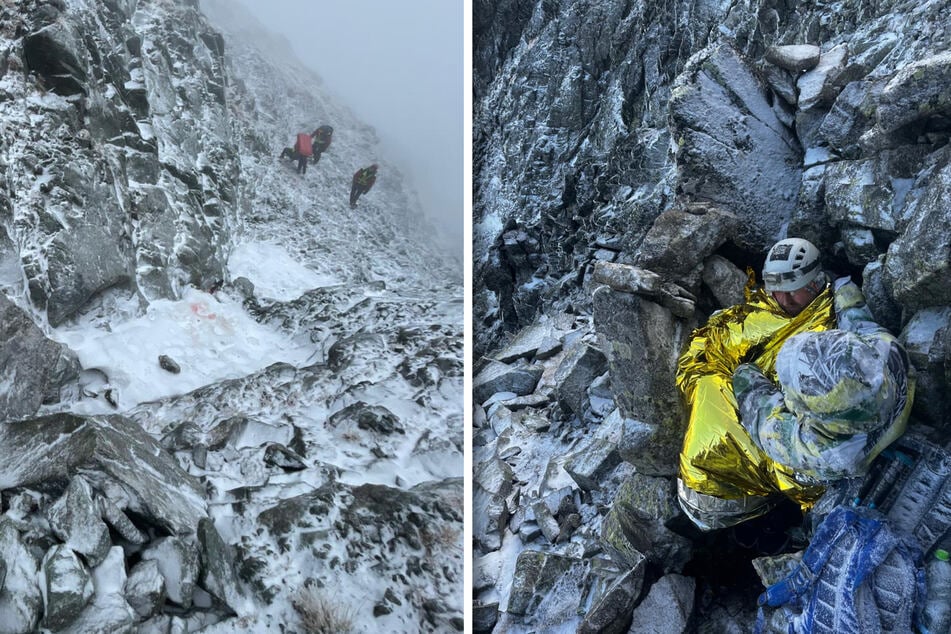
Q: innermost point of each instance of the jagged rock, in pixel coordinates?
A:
(632, 279)
(277, 455)
(773, 569)
(374, 418)
(145, 588)
(178, 561)
(56, 53)
(590, 464)
(884, 308)
(732, 149)
(546, 522)
(610, 614)
(724, 279)
(851, 116)
(218, 568)
(499, 377)
(110, 448)
(68, 587)
(484, 616)
(31, 366)
(540, 336)
(636, 524)
(796, 58)
(545, 580)
(820, 86)
(860, 194)
(492, 483)
(75, 518)
(667, 608)
(927, 339)
(169, 364)
(580, 366)
(680, 239)
(918, 263)
(342, 353)
(636, 334)
(20, 598)
(918, 92)
(109, 612)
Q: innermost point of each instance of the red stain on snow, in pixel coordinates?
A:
(201, 310)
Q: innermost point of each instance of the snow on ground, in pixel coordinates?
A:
(210, 338)
(275, 274)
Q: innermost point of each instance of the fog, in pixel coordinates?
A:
(398, 65)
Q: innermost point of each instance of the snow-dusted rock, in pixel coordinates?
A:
(32, 367)
(820, 85)
(796, 58)
(635, 334)
(21, 602)
(636, 524)
(179, 563)
(667, 608)
(731, 148)
(579, 367)
(724, 279)
(145, 588)
(500, 377)
(610, 613)
(108, 448)
(75, 519)
(68, 587)
(927, 339)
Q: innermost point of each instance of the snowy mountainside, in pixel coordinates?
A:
(291, 369)
(274, 98)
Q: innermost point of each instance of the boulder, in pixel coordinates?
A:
(178, 562)
(546, 586)
(918, 262)
(667, 608)
(75, 519)
(145, 588)
(724, 279)
(611, 612)
(580, 366)
(731, 147)
(796, 58)
(637, 524)
(681, 238)
(68, 587)
(520, 379)
(635, 334)
(31, 366)
(927, 339)
(20, 599)
(104, 447)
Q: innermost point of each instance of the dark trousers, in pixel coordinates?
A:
(301, 164)
(355, 192)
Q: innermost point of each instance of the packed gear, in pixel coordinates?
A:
(858, 575)
(908, 489)
(321, 137)
(363, 180)
(791, 264)
(725, 478)
(844, 395)
(302, 151)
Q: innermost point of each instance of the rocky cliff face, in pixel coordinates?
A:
(289, 454)
(630, 160)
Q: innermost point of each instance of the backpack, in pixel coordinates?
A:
(303, 146)
(858, 575)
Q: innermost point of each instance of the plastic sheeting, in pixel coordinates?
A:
(718, 457)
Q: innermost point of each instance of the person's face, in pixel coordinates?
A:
(793, 302)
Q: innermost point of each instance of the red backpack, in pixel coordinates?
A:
(303, 144)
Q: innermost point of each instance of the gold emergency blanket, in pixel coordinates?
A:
(718, 456)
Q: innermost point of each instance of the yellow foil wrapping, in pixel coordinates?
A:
(718, 456)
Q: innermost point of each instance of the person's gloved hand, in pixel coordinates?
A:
(847, 295)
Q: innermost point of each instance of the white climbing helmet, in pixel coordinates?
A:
(790, 265)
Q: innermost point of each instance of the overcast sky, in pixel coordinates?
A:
(398, 64)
